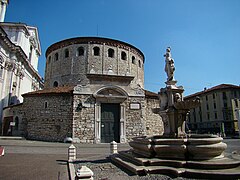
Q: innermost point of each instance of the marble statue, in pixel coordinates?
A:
(169, 65)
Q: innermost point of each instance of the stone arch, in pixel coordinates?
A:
(111, 92)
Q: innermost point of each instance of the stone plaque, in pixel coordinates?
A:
(135, 106)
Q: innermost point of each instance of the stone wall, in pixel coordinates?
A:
(83, 118)
(135, 124)
(48, 117)
(154, 123)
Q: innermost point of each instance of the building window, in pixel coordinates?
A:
(80, 51)
(139, 64)
(225, 105)
(213, 95)
(215, 114)
(133, 60)
(55, 84)
(214, 105)
(66, 53)
(123, 55)
(45, 104)
(207, 107)
(235, 94)
(208, 116)
(96, 51)
(236, 103)
(110, 53)
(56, 57)
(30, 54)
(224, 95)
(206, 98)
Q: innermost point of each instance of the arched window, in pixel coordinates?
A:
(55, 84)
(16, 123)
(80, 51)
(110, 53)
(66, 53)
(123, 55)
(139, 63)
(96, 51)
(45, 104)
(30, 54)
(56, 57)
(133, 60)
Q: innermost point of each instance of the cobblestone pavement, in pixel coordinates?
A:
(103, 169)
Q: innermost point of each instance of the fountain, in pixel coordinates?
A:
(177, 153)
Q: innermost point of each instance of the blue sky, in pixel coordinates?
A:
(204, 34)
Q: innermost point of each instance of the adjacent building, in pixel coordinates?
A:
(218, 112)
(19, 53)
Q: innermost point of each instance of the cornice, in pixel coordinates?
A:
(93, 40)
(19, 52)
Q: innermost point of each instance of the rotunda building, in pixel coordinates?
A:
(77, 60)
(94, 93)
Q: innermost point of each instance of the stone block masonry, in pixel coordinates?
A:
(49, 118)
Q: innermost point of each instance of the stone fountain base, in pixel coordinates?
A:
(198, 156)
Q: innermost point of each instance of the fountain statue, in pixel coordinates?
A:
(176, 152)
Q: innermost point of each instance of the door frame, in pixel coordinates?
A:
(111, 98)
(114, 108)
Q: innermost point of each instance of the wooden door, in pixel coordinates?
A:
(110, 123)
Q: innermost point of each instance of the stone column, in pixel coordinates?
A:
(97, 123)
(122, 123)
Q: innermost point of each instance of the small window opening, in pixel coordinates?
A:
(139, 64)
(123, 56)
(111, 53)
(66, 53)
(96, 51)
(133, 60)
(80, 51)
(46, 105)
(55, 84)
(56, 57)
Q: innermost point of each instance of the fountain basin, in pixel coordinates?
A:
(191, 147)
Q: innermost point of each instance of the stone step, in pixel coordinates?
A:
(224, 168)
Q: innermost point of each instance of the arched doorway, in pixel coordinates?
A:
(110, 115)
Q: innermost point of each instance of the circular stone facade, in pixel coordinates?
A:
(69, 62)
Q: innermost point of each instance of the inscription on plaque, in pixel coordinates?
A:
(135, 106)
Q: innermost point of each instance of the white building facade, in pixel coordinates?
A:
(19, 53)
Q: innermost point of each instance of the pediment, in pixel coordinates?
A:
(110, 92)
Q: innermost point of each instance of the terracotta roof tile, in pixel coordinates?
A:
(55, 90)
(150, 94)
